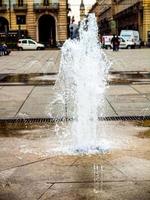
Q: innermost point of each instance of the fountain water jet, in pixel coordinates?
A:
(82, 80)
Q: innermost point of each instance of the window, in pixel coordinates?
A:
(20, 2)
(31, 42)
(122, 40)
(21, 19)
(46, 2)
(24, 41)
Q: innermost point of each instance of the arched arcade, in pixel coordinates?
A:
(4, 25)
(47, 30)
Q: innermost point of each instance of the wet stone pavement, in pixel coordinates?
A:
(33, 163)
(29, 76)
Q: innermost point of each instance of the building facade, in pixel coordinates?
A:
(116, 15)
(45, 21)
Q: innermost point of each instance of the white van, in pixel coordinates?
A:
(124, 44)
(132, 36)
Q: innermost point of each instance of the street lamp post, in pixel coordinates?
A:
(10, 14)
(19, 31)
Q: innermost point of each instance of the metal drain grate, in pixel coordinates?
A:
(54, 120)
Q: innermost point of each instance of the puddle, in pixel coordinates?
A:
(50, 78)
(32, 134)
(28, 79)
(143, 123)
(145, 134)
(30, 131)
(126, 77)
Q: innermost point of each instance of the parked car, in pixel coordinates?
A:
(29, 44)
(106, 41)
(124, 44)
(131, 36)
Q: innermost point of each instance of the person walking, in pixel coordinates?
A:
(117, 43)
(71, 33)
(114, 42)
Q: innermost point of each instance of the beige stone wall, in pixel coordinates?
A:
(102, 10)
(124, 4)
(95, 9)
(143, 22)
(143, 13)
(146, 19)
(12, 22)
(32, 20)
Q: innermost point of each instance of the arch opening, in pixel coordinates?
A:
(47, 30)
(4, 25)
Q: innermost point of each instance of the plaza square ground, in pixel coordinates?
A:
(121, 99)
(32, 165)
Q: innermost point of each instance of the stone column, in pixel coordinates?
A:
(62, 21)
(31, 20)
(146, 20)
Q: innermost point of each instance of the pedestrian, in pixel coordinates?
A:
(71, 33)
(114, 42)
(117, 43)
(1, 50)
(140, 43)
(5, 50)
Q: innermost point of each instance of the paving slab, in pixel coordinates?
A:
(30, 62)
(23, 190)
(130, 166)
(148, 96)
(144, 112)
(106, 109)
(143, 89)
(133, 107)
(129, 60)
(11, 100)
(44, 101)
(120, 90)
(131, 98)
(108, 191)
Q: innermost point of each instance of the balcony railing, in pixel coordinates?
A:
(20, 8)
(3, 8)
(49, 7)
